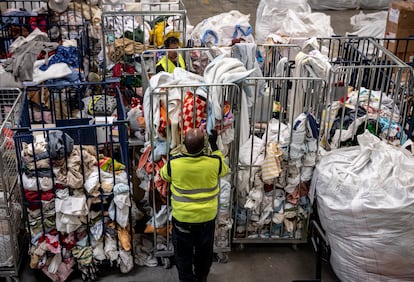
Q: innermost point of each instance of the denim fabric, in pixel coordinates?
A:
(68, 55)
(193, 244)
(16, 17)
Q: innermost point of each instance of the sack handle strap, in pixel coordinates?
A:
(238, 28)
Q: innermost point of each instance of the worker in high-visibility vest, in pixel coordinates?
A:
(194, 189)
(172, 59)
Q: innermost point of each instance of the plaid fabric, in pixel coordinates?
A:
(188, 112)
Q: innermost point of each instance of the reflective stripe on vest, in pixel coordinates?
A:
(199, 190)
(190, 200)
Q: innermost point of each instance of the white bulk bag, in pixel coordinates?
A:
(305, 25)
(365, 198)
(270, 15)
(220, 29)
(369, 25)
(333, 4)
(348, 4)
(374, 5)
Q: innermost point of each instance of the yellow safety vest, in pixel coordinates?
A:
(194, 185)
(171, 65)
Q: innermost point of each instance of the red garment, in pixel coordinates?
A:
(188, 111)
(68, 241)
(52, 243)
(39, 22)
(32, 196)
(119, 68)
(129, 69)
(53, 232)
(59, 186)
(301, 190)
(8, 135)
(42, 55)
(162, 129)
(135, 102)
(159, 183)
(144, 157)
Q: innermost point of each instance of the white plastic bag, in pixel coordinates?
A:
(369, 25)
(305, 25)
(220, 29)
(290, 18)
(365, 198)
(270, 15)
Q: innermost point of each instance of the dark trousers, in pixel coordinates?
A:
(193, 244)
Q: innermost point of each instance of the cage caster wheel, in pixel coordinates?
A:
(294, 247)
(166, 262)
(222, 257)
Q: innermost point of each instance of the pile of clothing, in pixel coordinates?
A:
(274, 178)
(78, 204)
(167, 119)
(35, 58)
(358, 110)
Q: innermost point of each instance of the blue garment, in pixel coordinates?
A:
(68, 55)
(160, 149)
(16, 17)
(211, 120)
(313, 126)
(385, 124)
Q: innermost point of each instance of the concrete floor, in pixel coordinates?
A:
(258, 263)
(265, 262)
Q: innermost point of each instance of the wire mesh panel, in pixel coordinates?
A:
(64, 32)
(181, 107)
(276, 158)
(277, 59)
(127, 33)
(403, 48)
(73, 173)
(278, 137)
(20, 18)
(147, 23)
(195, 61)
(12, 235)
(368, 88)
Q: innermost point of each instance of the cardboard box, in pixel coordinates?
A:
(407, 57)
(400, 24)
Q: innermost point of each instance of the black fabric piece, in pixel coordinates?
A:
(349, 117)
(193, 240)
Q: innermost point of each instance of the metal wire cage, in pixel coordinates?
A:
(12, 236)
(127, 33)
(194, 114)
(368, 88)
(274, 165)
(95, 146)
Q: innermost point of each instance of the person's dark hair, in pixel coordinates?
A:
(171, 40)
(194, 140)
